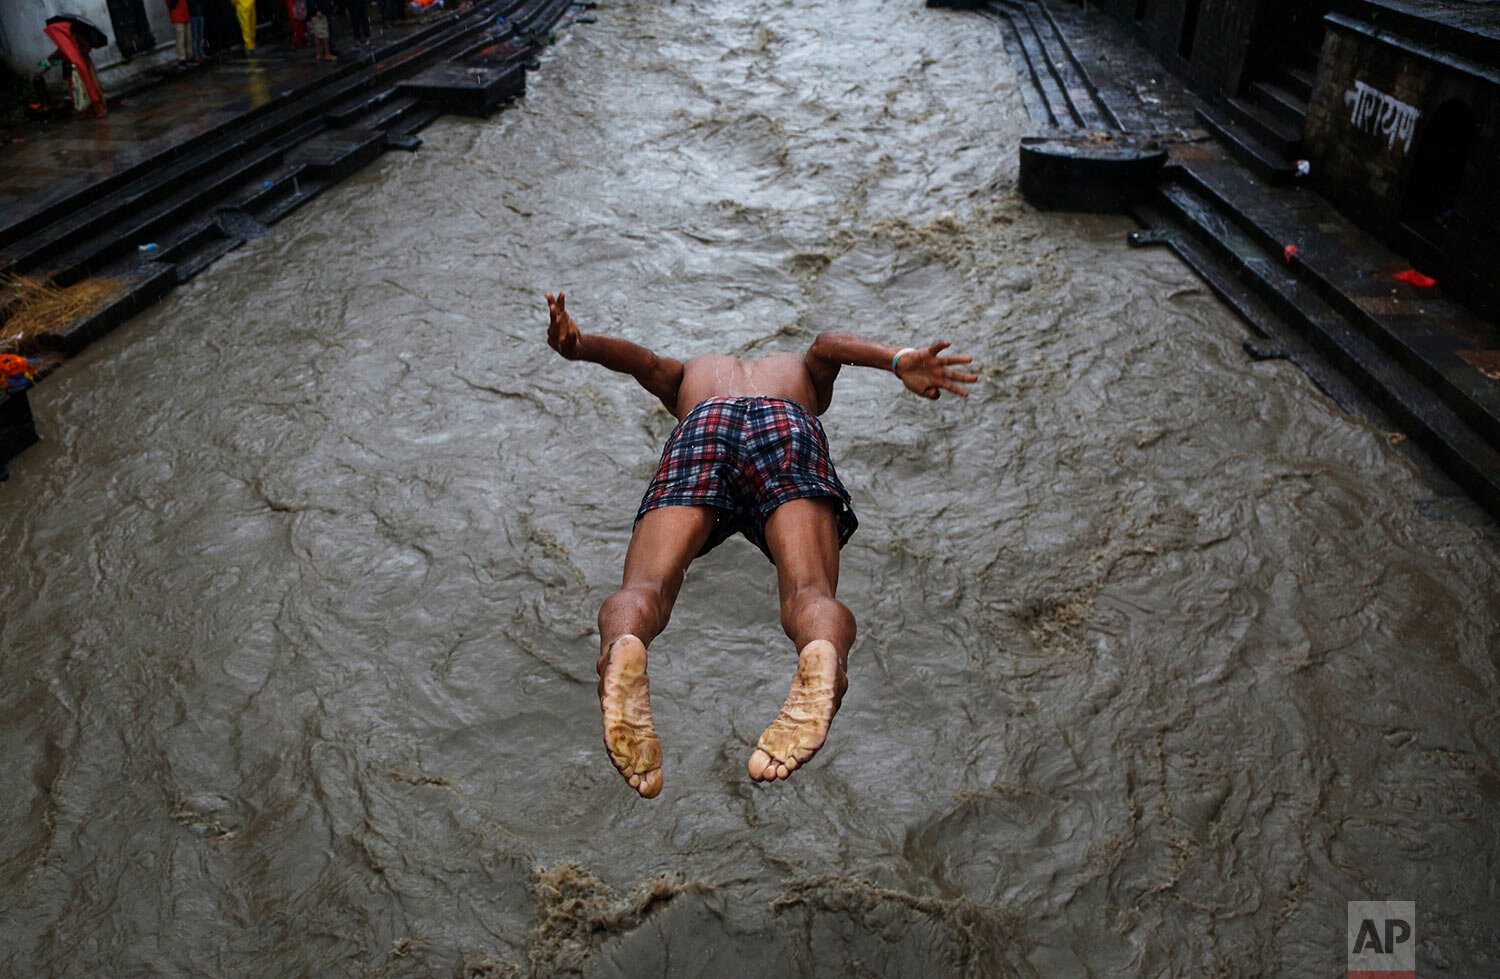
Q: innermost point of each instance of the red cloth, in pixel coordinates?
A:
(299, 26)
(178, 9)
(14, 366)
(1416, 278)
(62, 36)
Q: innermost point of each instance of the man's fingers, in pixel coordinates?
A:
(940, 345)
(560, 298)
(958, 359)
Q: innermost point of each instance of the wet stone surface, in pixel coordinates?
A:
(56, 160)
(1163, 657)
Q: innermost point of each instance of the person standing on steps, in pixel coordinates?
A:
(320, 23)
(177, 12)
(196, 29)
(749, 456)
(296, 19)
(359, 19)
(245, 10)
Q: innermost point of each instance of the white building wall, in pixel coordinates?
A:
(23, 44)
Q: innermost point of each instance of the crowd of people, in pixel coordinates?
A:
(303, 18)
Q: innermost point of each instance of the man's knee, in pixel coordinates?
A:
(810, 606)
(639, 603)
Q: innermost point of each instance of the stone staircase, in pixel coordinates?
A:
(1264, 127)
(1412, 356)
(1412, 359)
(160, 222)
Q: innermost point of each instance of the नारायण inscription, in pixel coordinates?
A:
(1378, 113)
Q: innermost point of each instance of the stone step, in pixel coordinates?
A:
(1059, 108)
(1266, 162)
(208, 252)
(1283, 137)
(393, 114)
(358, 107)
(1285, 105)
(337, 153)
(1297, 81)
(474, 90)
(538, 16)
(134, 229)
(145, 281)
(423, 116)
(256, 196)
(1091, 110)
(305, 187)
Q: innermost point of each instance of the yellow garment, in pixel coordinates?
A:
(246, 10)
(81, 97)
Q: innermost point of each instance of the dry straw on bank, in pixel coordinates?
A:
(31, 307)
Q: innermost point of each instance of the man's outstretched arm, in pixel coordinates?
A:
(662, 376)
(922, 370)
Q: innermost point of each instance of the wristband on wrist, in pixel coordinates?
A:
(899, 354)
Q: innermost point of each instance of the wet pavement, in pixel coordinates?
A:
(44, 163)
(1164, 656)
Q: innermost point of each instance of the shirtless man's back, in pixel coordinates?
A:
(747, 456)
(782, 376)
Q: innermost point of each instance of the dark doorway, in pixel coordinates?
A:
(1140, 9)
(132, 29)
(1437, 171)
(1287, 32)
(1189, 27)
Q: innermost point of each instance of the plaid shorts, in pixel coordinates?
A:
(746, 457)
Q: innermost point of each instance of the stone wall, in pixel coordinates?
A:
(22, 43)
(1381, 134)
(1220, 43)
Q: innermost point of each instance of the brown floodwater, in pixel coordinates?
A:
(1164, 656)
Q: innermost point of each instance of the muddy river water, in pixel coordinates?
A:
(1164, 657)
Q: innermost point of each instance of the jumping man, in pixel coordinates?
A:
(748, 456)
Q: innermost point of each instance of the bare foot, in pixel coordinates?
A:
(802, 726)
(629, 734)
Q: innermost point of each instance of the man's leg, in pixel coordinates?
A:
(803, 537)
(664, 543)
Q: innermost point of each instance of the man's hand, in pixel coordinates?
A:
(562, 333)
(927, 374)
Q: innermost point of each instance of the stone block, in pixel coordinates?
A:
(474, 90)
(1100, 172)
